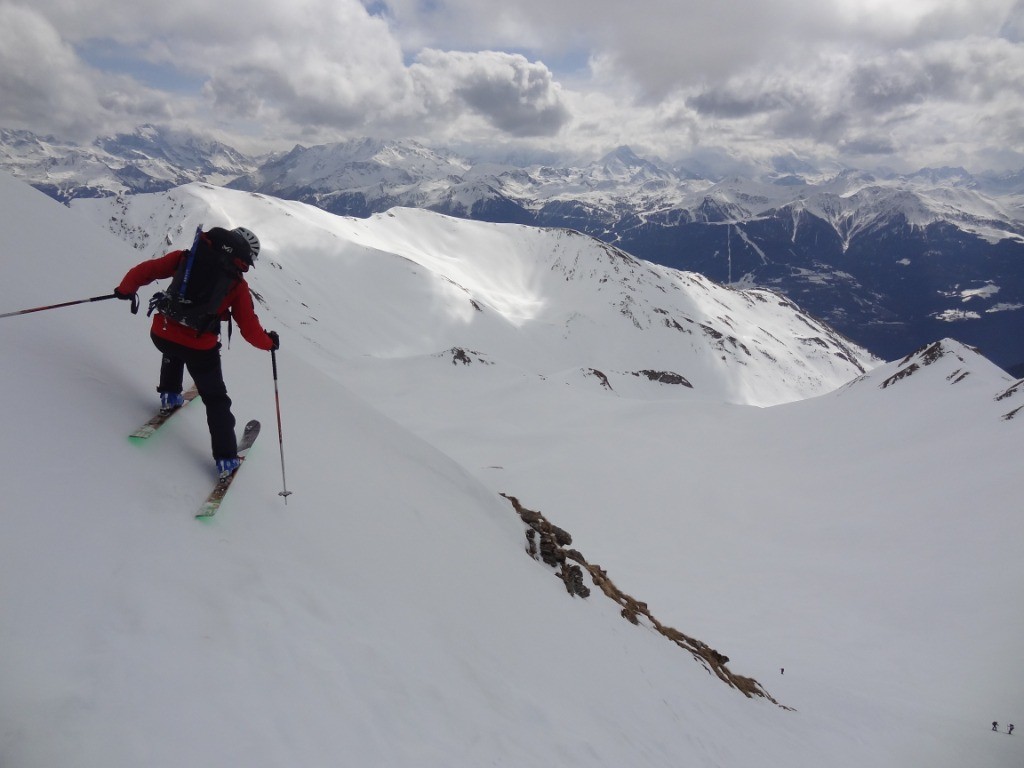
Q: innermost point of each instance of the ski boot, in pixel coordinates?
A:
(170, 401)
(227, 467)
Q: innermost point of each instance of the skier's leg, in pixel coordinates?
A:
(205, 368)
(172, 367)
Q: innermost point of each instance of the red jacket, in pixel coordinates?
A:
(238, 302)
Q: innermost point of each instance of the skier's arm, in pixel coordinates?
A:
(148, 271)
(245, 315)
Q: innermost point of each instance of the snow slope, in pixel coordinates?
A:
(867, 540)
(540, 302)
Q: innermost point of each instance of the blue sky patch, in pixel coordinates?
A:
(114, 58)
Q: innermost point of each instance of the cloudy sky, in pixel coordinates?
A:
(870, 83)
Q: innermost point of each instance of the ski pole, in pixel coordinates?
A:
(280, 435)
(56, 306)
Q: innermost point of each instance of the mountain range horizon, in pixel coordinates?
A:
(890, 260)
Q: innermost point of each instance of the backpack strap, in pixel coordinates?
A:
(230, 315)
(190, 262)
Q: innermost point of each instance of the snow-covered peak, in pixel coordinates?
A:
(147, 159)
(354, 165)
(540, 301)
(948, 360)
(148, 145)
(624, 167)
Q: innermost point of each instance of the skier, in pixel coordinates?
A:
(1010, 729)
(199, 350)
(995, 726)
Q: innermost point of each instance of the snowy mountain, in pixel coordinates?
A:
(892, 261)
(360, 165)
(532, 302)
(149, 159)
(855, 556)
(890, 267)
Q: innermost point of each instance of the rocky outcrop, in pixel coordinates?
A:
(551, 545)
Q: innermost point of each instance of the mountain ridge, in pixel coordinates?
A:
(892, 261)
(573, 296)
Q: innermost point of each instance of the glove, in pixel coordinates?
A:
(132, 297)
(276, 339)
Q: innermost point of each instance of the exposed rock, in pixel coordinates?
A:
(464, 356)
(571, 566)
(599, 376)
(664, 377)
(1017, 388)
(901, 374)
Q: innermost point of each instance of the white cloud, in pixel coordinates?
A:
(941, 103)
(925, 81)
(516, 96)
(325, 63)
(667, 44)
(41, 81)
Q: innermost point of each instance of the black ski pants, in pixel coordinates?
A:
(204, 368)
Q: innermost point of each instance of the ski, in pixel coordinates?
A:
(212, 503)
(151, 426)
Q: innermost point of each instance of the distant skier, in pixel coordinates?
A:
(995, 726)
(187, 332)
(1010, 729)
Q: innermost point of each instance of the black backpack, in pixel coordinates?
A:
(205, 276)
